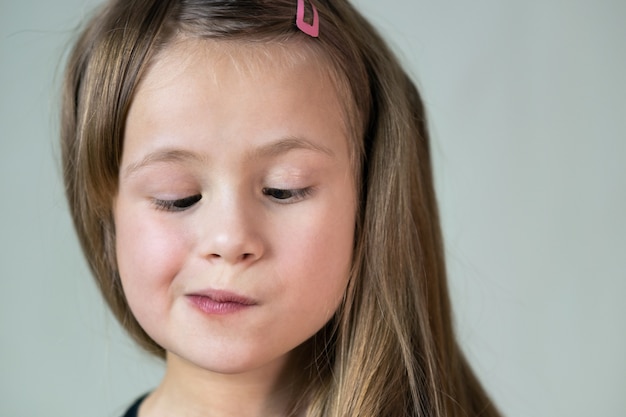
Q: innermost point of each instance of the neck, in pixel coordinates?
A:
(188, 390)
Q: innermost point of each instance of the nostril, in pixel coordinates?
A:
(242, 257)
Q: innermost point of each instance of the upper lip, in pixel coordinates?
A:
(224, 296)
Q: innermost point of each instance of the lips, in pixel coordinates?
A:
(215, 302)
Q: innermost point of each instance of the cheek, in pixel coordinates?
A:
(149, 255)
(317, 258)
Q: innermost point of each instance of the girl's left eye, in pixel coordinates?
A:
(287, 196)
(179, 204)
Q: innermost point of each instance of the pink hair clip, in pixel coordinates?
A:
(310, 29)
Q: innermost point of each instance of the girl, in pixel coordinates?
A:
(251, 185)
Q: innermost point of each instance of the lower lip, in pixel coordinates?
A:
(210, 306)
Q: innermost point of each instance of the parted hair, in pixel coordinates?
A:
(390, 349)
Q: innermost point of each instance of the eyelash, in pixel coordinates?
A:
(179, 204)
(284, 196)
(287, 196)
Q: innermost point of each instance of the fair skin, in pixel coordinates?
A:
(234, 220)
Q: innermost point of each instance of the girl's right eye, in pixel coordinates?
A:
(177, 205)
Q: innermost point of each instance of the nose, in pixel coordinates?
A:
(231, 233)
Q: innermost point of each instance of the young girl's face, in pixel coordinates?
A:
(236, 204)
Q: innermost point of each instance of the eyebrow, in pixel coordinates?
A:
(161, 156)
(272, 149)
(287, 144)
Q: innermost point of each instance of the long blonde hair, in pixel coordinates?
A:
(390, 350)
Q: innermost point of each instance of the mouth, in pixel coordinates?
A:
(220, 302)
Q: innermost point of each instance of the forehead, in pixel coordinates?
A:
(295, 64)
(245, 58)
(224, 63)
(254, 58)
(205, 88)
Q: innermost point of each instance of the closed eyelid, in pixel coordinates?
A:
(177, 205)
(288, 196)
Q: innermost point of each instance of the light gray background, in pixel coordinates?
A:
(527, 102)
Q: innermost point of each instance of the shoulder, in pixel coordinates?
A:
(134, 409)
